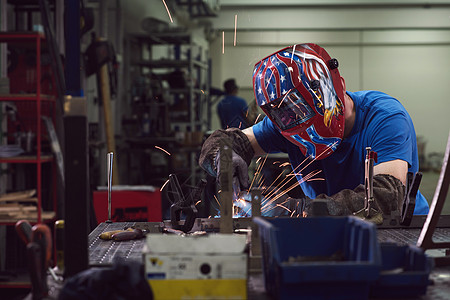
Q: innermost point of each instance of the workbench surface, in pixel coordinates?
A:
(102, 253)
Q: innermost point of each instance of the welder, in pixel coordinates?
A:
(325, 130)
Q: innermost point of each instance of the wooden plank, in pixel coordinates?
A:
(17, 195)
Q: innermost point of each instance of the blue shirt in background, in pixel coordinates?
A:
(232, 111)
(381, 123)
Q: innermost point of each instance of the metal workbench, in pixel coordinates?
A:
(102, 253)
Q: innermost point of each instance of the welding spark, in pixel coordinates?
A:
(258, 160)
(281, 184)
(292, 214)
(275, 180)
(235, 26)
(198, 202)
(261, 182)
(282, 100)
(223, 42)
(280, 193)
(293, 50)
(217, 200)
(167, 181)
(284, 207)
(259, 115)
(162, 150)
(320, 154)
(285, 164)
(168, 12)
(202, 91)
(258, 170)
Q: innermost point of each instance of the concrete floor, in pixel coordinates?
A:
(428, 186)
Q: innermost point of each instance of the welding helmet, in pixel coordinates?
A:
(299, 88)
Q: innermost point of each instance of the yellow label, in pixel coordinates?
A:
(199, 289)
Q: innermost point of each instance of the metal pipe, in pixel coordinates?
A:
(109, 163)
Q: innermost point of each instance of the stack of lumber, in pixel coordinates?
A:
(20, 205)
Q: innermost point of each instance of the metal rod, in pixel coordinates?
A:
(226, 185)
(368, 182)
(109, 164)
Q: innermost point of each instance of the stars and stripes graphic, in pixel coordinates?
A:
(301, 70)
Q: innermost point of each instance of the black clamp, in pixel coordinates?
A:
(409, 201)
(182, 205)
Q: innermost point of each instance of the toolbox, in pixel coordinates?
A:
(129, 203)
(212, 266)
(404, 272)
(319, 258)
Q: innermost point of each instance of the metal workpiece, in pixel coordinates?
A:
(109, 171)
(256, 194)
(226, 186)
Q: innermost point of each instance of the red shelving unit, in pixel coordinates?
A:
(28, 94)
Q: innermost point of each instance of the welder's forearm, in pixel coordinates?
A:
(255, 145)
(388, 193)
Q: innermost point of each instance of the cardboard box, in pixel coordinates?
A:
(196, 267)
(129, 204)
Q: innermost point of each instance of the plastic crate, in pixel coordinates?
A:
(319, 258)
(404, 272)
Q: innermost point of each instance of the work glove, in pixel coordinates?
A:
(388, 193)
(242, 154)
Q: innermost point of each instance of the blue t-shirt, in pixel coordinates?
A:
(381, 123)
(232, 112)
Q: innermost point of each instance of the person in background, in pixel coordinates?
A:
(325, 130)
(233, 110)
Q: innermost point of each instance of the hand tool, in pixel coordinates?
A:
(23, 229)
(110, 158)
(39, 249)
(40, 235)
(108, 234)
(126, 235)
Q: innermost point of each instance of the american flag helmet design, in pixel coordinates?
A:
(299, 88)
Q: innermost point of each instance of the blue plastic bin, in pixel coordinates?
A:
(404, 272)
(331, 257)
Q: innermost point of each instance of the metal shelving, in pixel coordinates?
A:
(39, 104)
(158, 56)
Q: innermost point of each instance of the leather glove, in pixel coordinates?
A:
(242, 154)
(388, 193)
